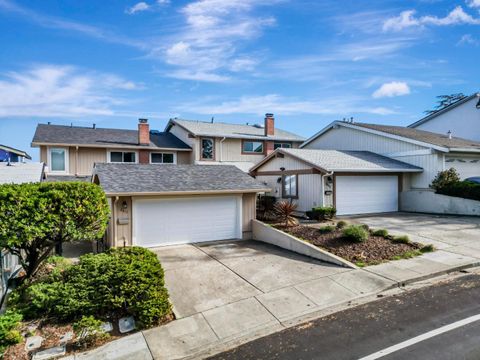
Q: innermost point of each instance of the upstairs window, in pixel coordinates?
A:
(253, 147)
(162, 158)
(281, 145)
(122, 157)
(58, 160)
(207, 150)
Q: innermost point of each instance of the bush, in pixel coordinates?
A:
(355, 233)
(427, 248)
(403, 239)
(463, 189)
(365, 226)
(120, 282)
(445, 178)
(324, 212)
(9, 332)
(341, 224)
(380, 232)
(326, 229)
(89, 332)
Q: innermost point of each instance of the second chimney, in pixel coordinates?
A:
(269, 125)
(143, 132)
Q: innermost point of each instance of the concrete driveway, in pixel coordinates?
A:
(257, 278)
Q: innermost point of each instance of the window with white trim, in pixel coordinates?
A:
(290, 186)
(254, 147)
(281, 145)
(58, 159)
(162, 158)
(123, 156)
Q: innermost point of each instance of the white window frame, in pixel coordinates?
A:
(281, 143)
(67, 163)
(122, 151)
(164, 152)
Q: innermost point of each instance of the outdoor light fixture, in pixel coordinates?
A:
(124, 206)
(282, 169)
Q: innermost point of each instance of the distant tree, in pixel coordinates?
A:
(446, 100)
(35, 218)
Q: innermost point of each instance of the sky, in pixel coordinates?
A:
(308, 62)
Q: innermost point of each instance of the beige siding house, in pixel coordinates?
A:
(71, 151)
(231, 144)
(175, 204)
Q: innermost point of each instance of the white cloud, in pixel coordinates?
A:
(407, 19)
(51, 90)
(138, 7)
(206, 47)
(259, 105)
(391, 89)
(468, 39)
(473, 3)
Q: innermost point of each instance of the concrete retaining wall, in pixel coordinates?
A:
(427, 201)
(268, 234)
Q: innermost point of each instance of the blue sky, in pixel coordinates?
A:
(309, 62)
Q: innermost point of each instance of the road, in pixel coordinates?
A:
(438, 322)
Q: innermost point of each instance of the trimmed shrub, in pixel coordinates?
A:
(427, 248)
(326, 229)
(463, 189)
(119, 282)
(355, 233)
(445, 178)
(380, 232)
(403, 239)
(341, 224)
(365, 226)
(324, 212)
(9, 330)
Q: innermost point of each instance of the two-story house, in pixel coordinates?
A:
(71, 151)
(242, 145)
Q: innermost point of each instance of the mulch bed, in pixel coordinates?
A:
(373, 251)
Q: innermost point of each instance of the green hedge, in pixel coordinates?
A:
(119, 282)
(322, 213)
(463, 189)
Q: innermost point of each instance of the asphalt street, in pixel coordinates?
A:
(436, 322)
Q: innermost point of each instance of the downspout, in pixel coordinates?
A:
(323, 186)
(76, 160)
(114, 223)
(221, 148)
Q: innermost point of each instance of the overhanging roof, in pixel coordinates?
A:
(15, 151)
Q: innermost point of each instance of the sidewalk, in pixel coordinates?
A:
(227, 326)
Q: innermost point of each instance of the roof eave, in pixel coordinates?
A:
(110, 146)
(377, 170)
(187, 192)
(464, 150)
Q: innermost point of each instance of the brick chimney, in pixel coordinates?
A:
(143, 132)
(269, 125)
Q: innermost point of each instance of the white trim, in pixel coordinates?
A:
(107, 147)
(109, 151)
(163, 152)
(376, 132)
(409, 153)
(67, 162)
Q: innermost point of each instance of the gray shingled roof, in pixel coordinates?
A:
(350, 161)
(60, 134)
(238, 131)
(424, 136)
(154, 178)
(18, 172)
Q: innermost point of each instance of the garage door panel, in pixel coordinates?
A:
(178, 221)
(366, 194)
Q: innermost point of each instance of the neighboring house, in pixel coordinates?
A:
(355, 182)
(460, 119)
(232, 144)
(9, 154)
(71, 151)
(175, 204)
(430, 151)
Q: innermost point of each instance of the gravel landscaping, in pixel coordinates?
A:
(374, 250)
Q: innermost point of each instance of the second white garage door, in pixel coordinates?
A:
(366, 194)
(159, 222)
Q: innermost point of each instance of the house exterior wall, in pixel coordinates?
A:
(249, 213)
(344, 138)
(467, 165)
(87, 157)
(183, 135)
(463, 121)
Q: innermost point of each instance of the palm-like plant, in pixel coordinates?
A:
(284, 211)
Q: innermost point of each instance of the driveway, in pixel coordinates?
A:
(257, 278)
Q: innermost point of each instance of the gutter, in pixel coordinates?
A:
(177, 193)
(111, 146)
(221, 148)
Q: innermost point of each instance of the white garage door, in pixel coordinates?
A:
(366, 194)
(465, 166)
(159, 222)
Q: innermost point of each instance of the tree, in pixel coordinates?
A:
(35, 218)
(446, 100)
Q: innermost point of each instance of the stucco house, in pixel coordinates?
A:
(419, 155)
(174, 204)
(242, 145)
(460, 119)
